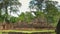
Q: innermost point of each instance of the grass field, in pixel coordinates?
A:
(26, 31)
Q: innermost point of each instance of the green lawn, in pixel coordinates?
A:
(26, 31)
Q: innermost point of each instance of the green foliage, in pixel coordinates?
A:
(13, 19)
(36, 4)
(51, 11)
(29, 17)
(4, 4)
(26, 17)
(22, 17)
(39, 13)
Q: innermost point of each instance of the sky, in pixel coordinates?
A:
(25, 5)
(57, 0)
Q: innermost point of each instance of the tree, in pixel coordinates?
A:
(58, 28)
(4, 5)
(40, 16)
(36, 4)
(51, 11)
(14, 19)
(26, 17)
(22, 17)
(29, 17)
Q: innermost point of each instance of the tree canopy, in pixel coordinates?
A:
(5, 4)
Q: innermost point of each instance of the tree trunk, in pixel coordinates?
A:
(58, 27)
